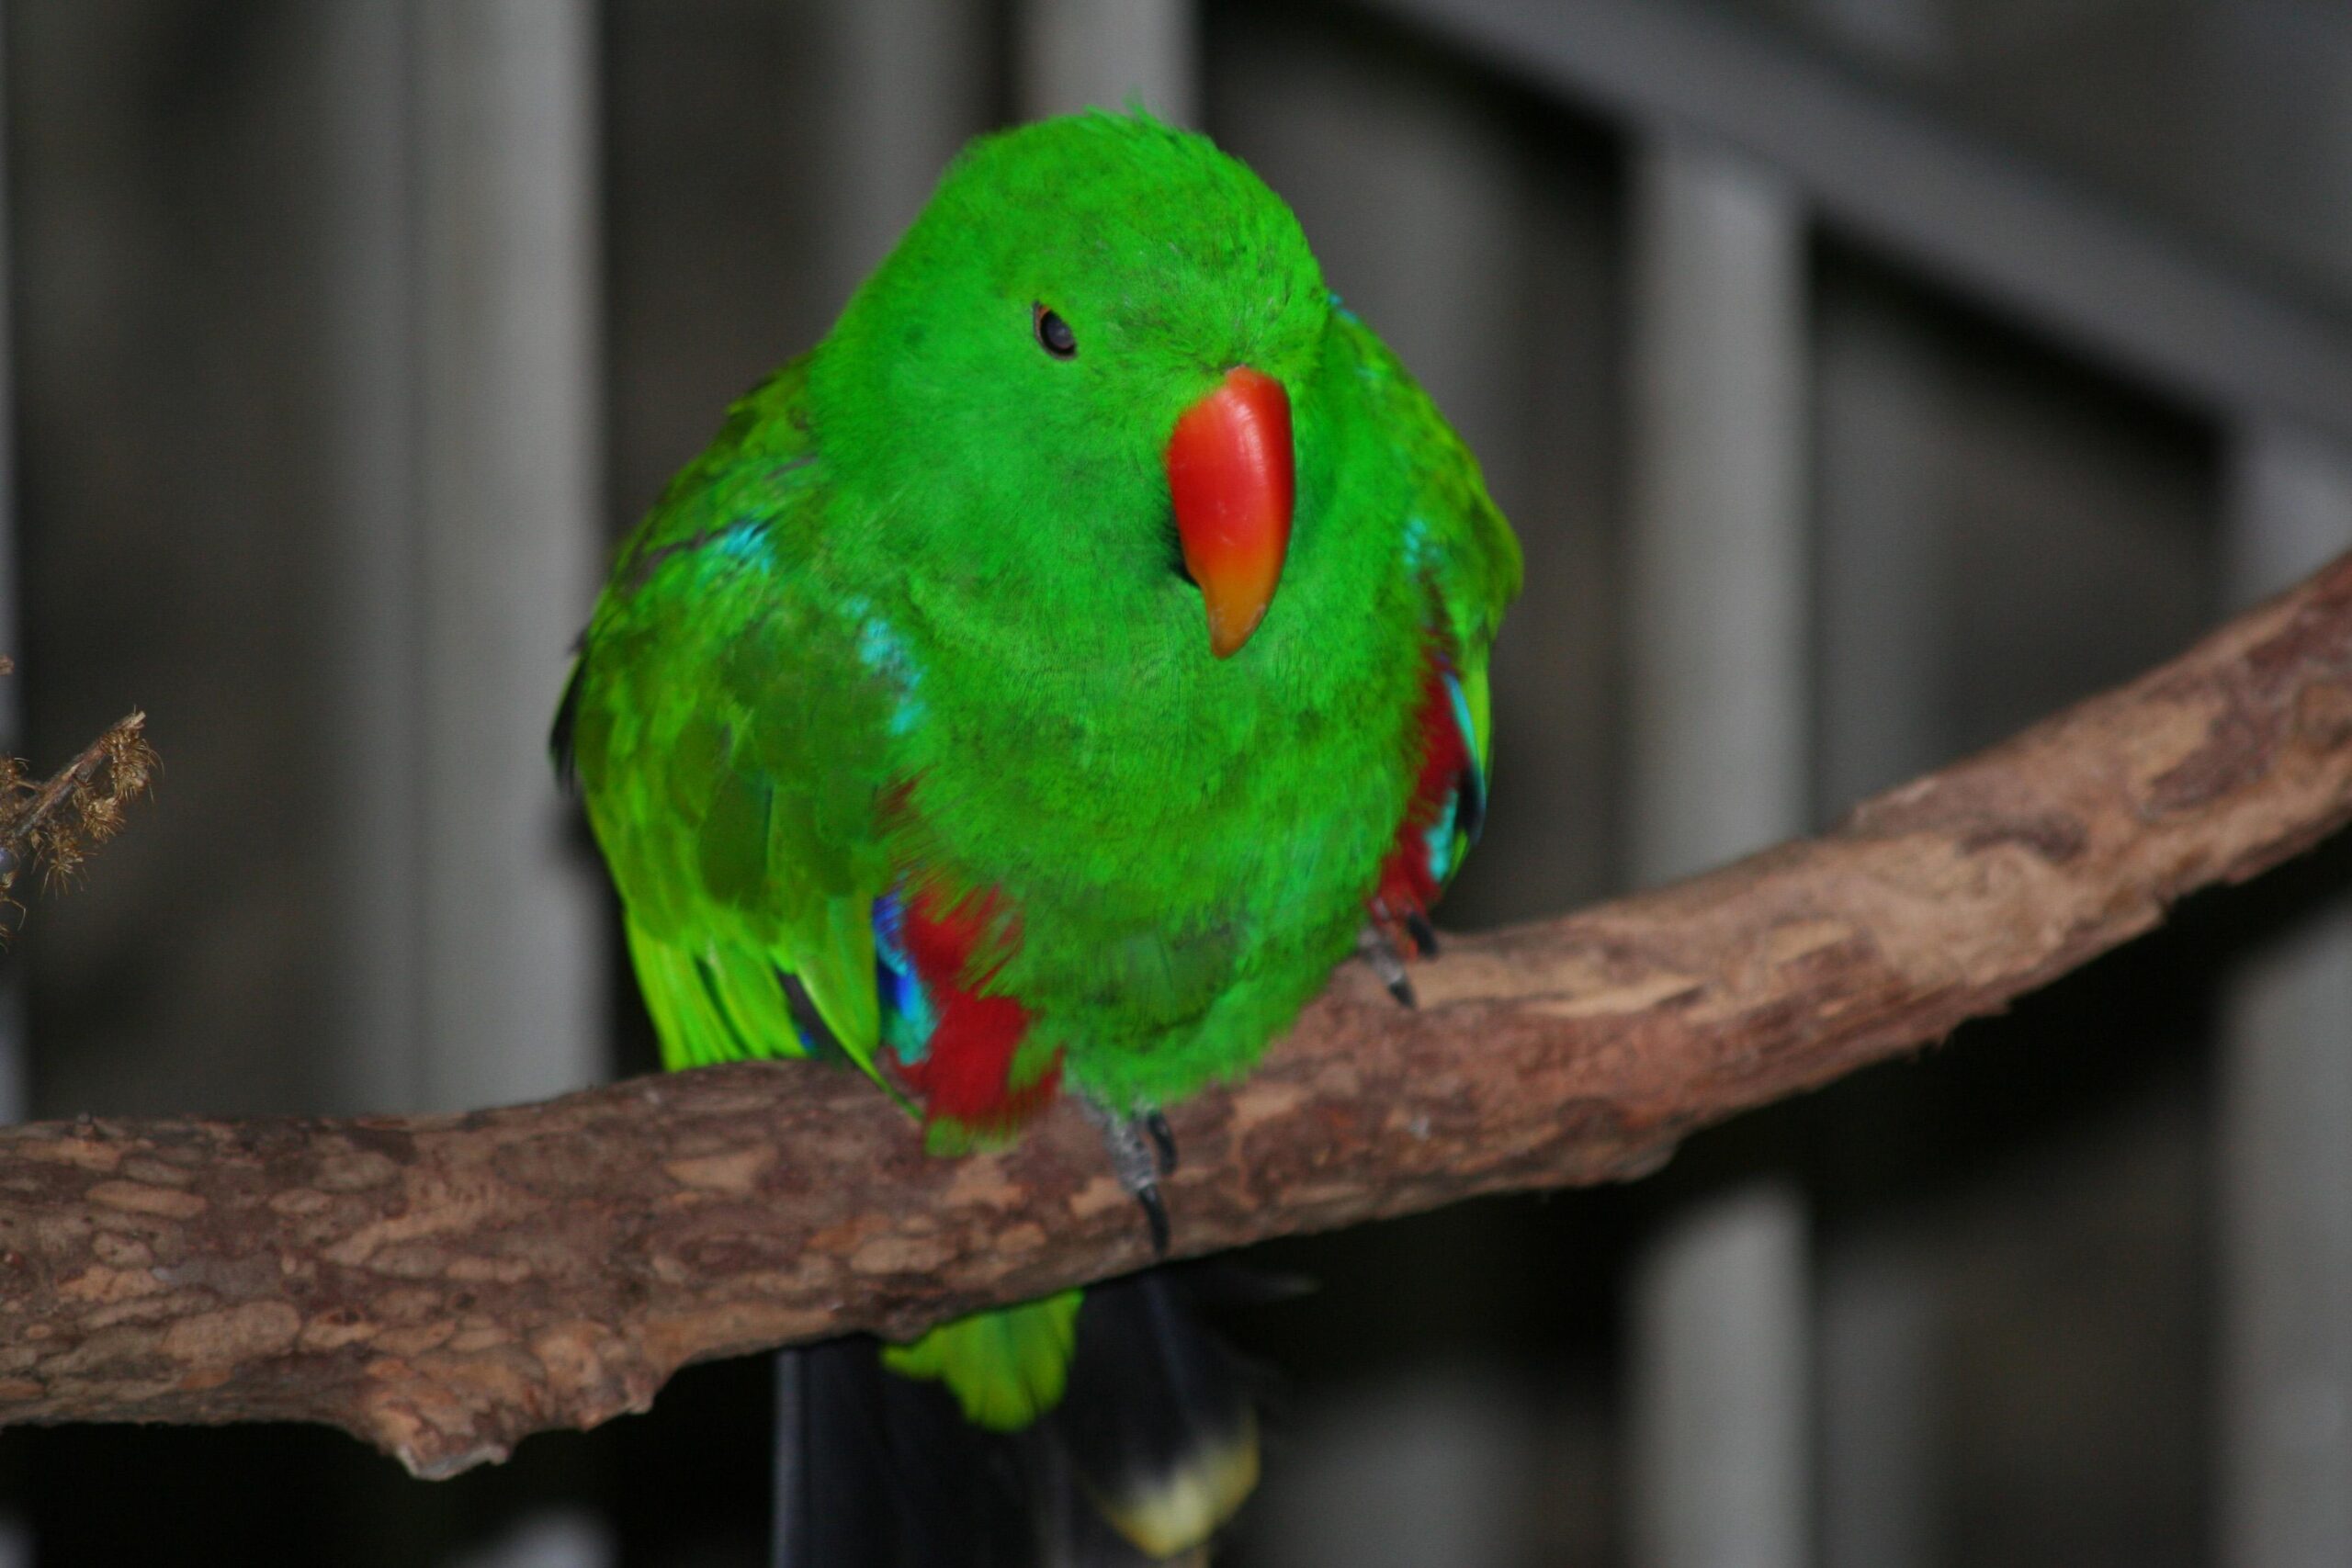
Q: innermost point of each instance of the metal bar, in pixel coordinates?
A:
(1960, 209)
(15, 1061)
(1885, 424)
(906, 95)
(1719, 1449)
(2285, 1232)
(1880, 1328)
(1429, 1464)
(512, 955)
(787, 1483)
(1884, 436)
(1716, 563)
(1077, 54)
(367, 114)
(17, 1548)
(1719, 1368)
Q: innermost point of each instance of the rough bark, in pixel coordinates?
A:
(442, 1286)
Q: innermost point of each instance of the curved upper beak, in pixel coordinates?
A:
(1230, 477)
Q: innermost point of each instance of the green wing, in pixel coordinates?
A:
(727, 719)
(1456, 536)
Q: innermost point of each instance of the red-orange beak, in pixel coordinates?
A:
(1229, 474)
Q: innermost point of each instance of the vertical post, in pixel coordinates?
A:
(511, 950)
(1721, 1433)
(16, 1057)
(16, 1065)
(1436, 1464)
(1879, 1323)
(365, 108)
(1884, 433)
(2286, 1056)
(1718, 547)
(907, 94)
(1077, 54)
(512, 955)
(1878, 607)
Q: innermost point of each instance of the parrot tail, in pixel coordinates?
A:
(1150, 1449)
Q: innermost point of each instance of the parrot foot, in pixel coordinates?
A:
(1142, 1150)
(1381, 952)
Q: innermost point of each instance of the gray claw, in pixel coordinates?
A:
(1386, 962)
(1140, 1152)
(1155, 1219)
(1163, 1140)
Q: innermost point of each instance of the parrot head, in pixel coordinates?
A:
(1081, 384)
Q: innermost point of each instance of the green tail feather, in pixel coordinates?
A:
(1005, 1367)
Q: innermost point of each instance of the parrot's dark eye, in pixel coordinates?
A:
(1054, 334)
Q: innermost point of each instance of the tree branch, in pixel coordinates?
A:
(443, 1286)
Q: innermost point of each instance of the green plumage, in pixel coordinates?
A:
(916, 622)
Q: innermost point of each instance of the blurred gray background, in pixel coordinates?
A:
(1864, 378)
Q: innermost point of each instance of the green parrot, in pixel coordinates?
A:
(1038, 687)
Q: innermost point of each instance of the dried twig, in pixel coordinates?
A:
(54, 823)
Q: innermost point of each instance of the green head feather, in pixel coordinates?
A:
(1169, 262)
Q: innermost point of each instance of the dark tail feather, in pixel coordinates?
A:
(876, 1472)
(1152, 1448)
(1160, 1419)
